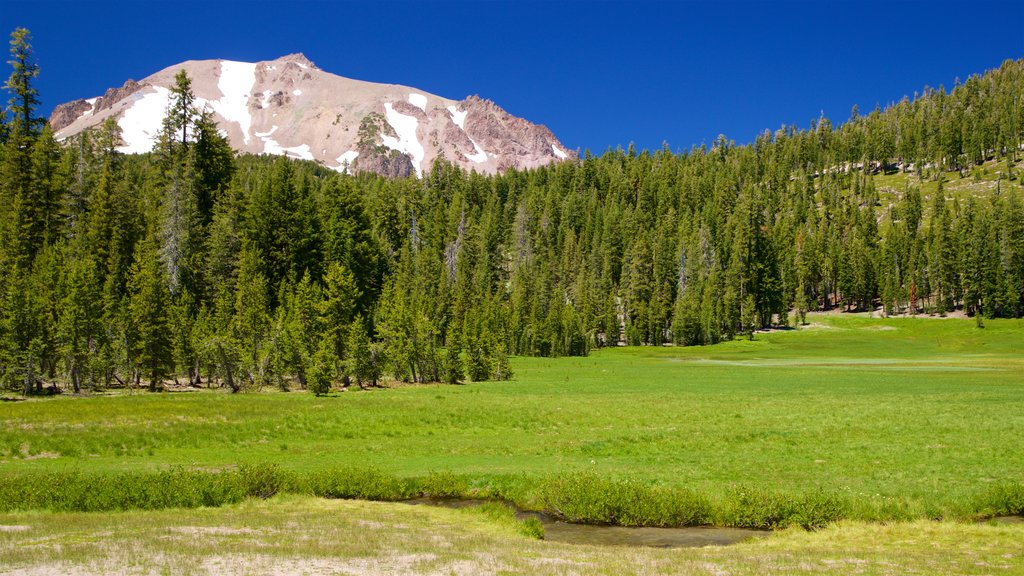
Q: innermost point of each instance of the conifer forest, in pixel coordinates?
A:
(194, 265)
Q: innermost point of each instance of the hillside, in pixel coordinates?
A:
(290, 107)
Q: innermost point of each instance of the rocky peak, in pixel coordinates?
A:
(300, 59)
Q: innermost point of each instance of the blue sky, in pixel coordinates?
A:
(599, 74)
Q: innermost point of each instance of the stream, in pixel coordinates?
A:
(559, 531)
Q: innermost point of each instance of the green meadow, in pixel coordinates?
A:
(842, 426)
(891, 418)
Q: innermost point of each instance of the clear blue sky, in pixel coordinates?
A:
(599, 74)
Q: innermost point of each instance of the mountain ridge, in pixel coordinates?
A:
(289, 106)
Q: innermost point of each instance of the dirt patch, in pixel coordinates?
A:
(214, 530)
(14, 528)
(817, 326)
(42, 456)
(371, 524)
(381, 566)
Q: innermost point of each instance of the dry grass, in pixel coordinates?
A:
(295, 535)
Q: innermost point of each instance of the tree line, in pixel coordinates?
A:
(196, 265)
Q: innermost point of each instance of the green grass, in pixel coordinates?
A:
(980, 182)
(851, 417)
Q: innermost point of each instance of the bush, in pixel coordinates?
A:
(591, 499)
(358, 483)
(444, 485)
(75, 491)
(261, 480)
(1005, 499)
(531, 528)
(503, 514)
(750, 507)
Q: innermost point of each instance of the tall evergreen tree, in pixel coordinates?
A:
(149, 307)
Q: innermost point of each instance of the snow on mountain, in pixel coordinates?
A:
(406, 142)
(236, 82)
(142, 119)
(419, 101)
(290, 107)
(458, 117)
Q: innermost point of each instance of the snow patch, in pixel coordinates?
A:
(406, 143)
(142, 120)
(235, 84)
(480, 155)
(265, 134)
(458, 117)
(297, 92)
(419, 101)
(301, 65)
(265, 101)
(346, 160)
(270, 146)
(558, 152)
(92, 106)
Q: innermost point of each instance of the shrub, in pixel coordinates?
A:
(260, 480)
(76, 491)
(751, 507)
(503, 514)
(361, 483)
(1005, 499)
(590, 499)
(444, 485)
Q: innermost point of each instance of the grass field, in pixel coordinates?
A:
(924, 411)
(850, 417)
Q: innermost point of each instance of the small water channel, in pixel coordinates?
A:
(559, 531)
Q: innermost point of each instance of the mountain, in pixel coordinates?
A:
(290, 107)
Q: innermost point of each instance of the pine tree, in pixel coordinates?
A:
(502, 367)
(252, 322)
(149, 306)
(338, 307)
(24, 97)
(295, 312)
(182, 322)
(479, 364)
(179, 210)
(364, 356)
(79, 328)
(323, 371)
(23, 328)
(19, 226)
(453, 370)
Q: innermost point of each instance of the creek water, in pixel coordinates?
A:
(556, 530)
(1005, 520)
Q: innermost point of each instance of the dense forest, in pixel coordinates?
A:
(195, 265)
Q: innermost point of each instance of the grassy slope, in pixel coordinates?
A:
(980, 183)
(905, 416)
(305, 535)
